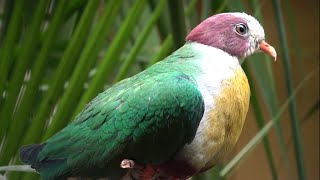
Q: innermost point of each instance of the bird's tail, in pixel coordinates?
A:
(48, 169)
(29, 154)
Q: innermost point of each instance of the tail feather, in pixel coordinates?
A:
(29, 154)
(48, 168)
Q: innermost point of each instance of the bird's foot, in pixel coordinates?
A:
(127, 164)
(142, 172)
(130, 164)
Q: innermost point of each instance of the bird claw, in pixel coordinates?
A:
(141, 172)
(127, 164)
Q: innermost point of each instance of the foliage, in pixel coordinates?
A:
(56, 55)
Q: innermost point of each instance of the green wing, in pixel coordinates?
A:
(147, 118)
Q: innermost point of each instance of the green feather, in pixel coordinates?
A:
(148, 117)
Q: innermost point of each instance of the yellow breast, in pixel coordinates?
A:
(227, 117)
(222, 121)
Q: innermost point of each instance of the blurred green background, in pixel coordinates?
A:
(56, 55)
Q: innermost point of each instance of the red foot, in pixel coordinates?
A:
(147, 173)
(144, 172)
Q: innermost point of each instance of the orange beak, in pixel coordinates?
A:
(265, 47)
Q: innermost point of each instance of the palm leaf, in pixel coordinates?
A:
(55, 56)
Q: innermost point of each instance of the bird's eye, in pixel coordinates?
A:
(241, 29)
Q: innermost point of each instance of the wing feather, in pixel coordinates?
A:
(148, 120)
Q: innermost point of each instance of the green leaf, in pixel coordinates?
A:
(19, 122)
(112, 54)
(139, 42)
(61, 74)
(81, 71)
(177, 22)
(289, 84)
(260, 121)
(6, 50)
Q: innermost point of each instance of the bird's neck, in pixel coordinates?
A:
(214, 63)
(195, 58)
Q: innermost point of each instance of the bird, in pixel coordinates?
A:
(176, 119)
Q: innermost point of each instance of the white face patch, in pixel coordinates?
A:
(255, 33)
(255, 28)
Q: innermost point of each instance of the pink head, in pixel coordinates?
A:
(238, 34)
